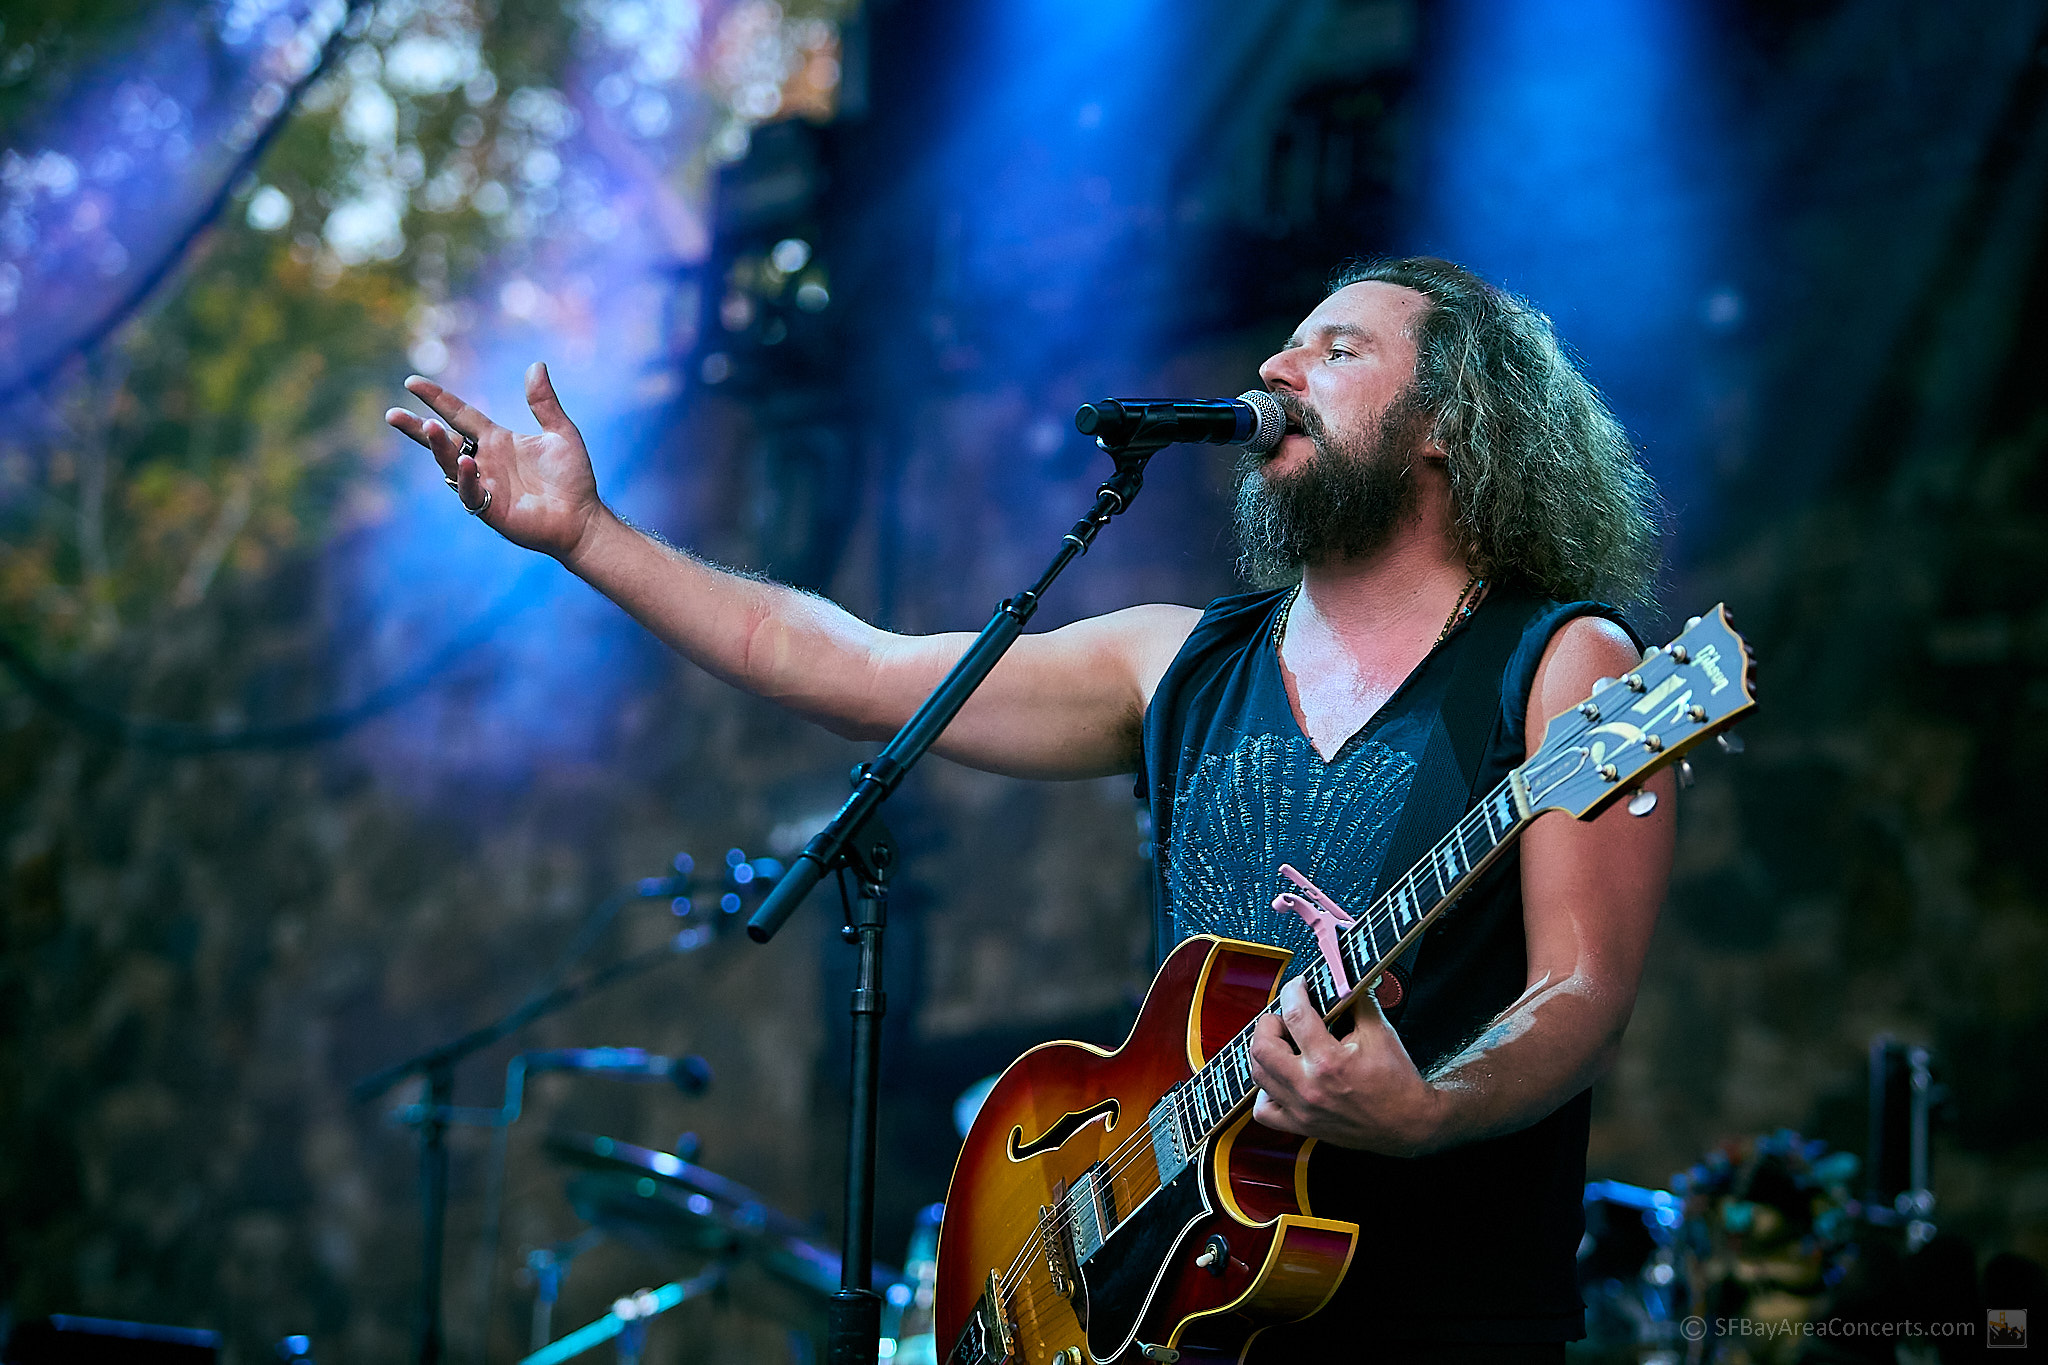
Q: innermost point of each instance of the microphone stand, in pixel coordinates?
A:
(432, 1115)
(856, 840)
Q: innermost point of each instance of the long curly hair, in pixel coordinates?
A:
(1547, 487)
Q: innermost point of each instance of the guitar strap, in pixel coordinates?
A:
(1449, 767)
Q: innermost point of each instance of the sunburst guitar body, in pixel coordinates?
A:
(1082, 1236)
(1117, 1207)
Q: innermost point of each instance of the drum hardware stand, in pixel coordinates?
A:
(549, 1266)
(628, 1319)
(856, 840)
(1904, 1095)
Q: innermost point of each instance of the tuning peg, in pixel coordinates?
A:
(1650, 652)
(1601, 683)
(1691, 621)
(1642, 803)
(1685, 772)
(1730, 744)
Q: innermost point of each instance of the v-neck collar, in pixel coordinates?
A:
(1277, 675)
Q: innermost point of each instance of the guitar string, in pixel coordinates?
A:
(1381, 915)
(1117, 1162)
(1182, 1100)
(1183, 1103)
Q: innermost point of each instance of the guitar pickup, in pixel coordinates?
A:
(1090, 1204)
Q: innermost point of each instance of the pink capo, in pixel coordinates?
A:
(1322, 915)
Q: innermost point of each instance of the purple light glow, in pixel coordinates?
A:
(596, 278)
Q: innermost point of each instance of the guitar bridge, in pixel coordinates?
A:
(1057, 1248)
(990, 1337)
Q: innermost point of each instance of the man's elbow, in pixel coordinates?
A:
(821, 675)
(1607, 1036)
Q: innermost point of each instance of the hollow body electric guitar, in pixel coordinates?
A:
(1123, 1206)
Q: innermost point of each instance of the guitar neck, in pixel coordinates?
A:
(1369, 946)
(1420, 894)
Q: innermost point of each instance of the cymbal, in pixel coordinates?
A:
(656, 1199)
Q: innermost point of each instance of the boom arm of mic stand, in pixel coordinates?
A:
(875, 780)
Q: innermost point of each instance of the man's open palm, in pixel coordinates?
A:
(537, 491)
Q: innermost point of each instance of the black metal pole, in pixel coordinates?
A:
(855, 1325)
(882, 776)
(856, 838)
(433, 1205)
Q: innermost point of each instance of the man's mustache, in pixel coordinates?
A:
(1300, 417)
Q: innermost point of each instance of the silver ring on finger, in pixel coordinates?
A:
(452, 484)
(468, 448)
(481, 507)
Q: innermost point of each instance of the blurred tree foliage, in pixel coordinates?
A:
(231, 422)
(237, 418)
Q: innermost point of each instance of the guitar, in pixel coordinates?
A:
(1123, 1206)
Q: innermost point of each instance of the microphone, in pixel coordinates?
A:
(1254, 420)
(690, 1074)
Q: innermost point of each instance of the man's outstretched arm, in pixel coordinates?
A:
(1064, 704)
(1590, 895)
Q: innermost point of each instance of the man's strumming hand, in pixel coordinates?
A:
(1360, 1090)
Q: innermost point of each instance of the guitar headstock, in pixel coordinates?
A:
(1675, 699)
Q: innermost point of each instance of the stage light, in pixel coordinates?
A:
(1574, 153)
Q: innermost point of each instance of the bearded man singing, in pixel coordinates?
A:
(1451, 515)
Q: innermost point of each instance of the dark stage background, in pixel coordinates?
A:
(300, 774)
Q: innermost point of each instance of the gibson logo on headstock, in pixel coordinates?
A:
(1709, 660)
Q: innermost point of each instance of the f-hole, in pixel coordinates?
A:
(1055, 1137)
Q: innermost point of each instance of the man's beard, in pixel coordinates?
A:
(1344, 503)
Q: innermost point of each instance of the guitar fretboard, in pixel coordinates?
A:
(1201, 1104)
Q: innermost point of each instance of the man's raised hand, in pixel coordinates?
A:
(537, 491)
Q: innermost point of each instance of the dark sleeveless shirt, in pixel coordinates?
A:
(1477, 1243)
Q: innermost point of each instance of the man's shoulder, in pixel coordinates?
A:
(1153, 625)
(1153, 636)
(1588, 641)
(1213, 634)
(1579, 652)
